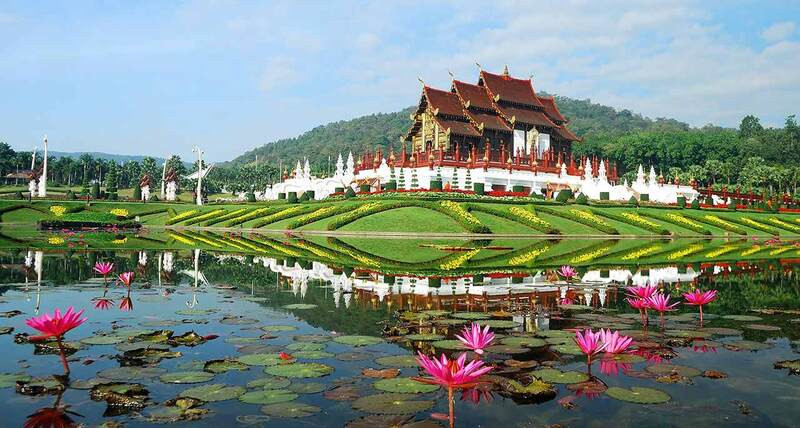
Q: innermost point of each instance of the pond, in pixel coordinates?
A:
(258, 330)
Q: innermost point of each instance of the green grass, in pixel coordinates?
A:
(408, 220)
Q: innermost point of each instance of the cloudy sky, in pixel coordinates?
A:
(156, 77)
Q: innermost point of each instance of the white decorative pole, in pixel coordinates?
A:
(163, 176)
(199, 174)
(43, 178)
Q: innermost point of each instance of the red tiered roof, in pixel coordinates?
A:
(443, 101)
(530, 117)
(551, 109)
(566, 134)
(476, 95)
(509, 89)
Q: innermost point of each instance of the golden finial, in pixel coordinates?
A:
(453, 77)
(421, 81)
(505, 71)
(479, 66)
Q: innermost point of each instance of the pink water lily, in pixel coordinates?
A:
(700, 298)
(452, 374)
(568, 272)
(104, 268)
(126, 304)
(476, 339)
(660, 302)
(590, 343)
(642, 291)
(56, 326)
(103, 303)
(614, 342)
(641, 305)
(610, 367)
(126, 278)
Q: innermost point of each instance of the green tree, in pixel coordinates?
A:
(750, 127)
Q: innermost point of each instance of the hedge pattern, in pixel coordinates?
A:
(679, 220)
(633, 219)
(203, 217)
(182, 216)
(583, 217)
(250, 215)
(520, 215)
(319, 214)
(365, 210)
(716, 221)
(228, 216)
(283, 214)
(749, 222)
(784, 225)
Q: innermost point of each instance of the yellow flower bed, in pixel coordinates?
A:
(283, 249)
(720, 222)
(589, 216)
(681, 219)
(751, 222)
(181, 239)
(319, 252)
(120, 241)
(527, 256)
(685, 252)
(119, 212)
(783, 224)
(528, 215)
(183, 215)
(58, 210)
(636, 255)
(636, 218)
(752, 250)
(205, 240)
(456, 262)
(780, 250)
(313, 216)
(725, 249)
(587, 257)
(459, 211)
(55, 240)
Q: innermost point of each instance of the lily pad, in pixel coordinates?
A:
(358, 340)
(101, 339)
(305, 346)
(559, 340)
(132, 346)
(222, 366)
(557, 376)
(404, 385)
(450, 321)
(237, 320)
(391, 404)
(762, 327)
(258, 348)
(638, 395)
(555, 333)
(449, 344)
(300, 306)
(269, 382)
(312, 355)
(397, 361)
(528, 342)
(40, 385)
(353, 356)
(722, 331)
(535, 388)
(568, 349)
(792, 365)
(196, 311)
(624, 358)
(290, 410)
(243, 340)
(742, 317)
(299, 370)
(499, 323)
(423, 337)
(664, 369)
(471, 315)
(260, 359)
(8, 380)
(276, 328)
(267, 396)
(187, 377)
(313, 338)
(688, 333)
(507, 349)
(214, 392)
(436, 312)
(131, 373)
(307, 387)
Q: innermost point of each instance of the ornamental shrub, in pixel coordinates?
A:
(364, 188)
(337, 190)
(311, 195)
(732, 205)
(604, 196)
(696, 204)
(292, 197)
(281, 196)
(681, 202)
(349, 193)
(564, 195)
(517, 188)
(95, 190)
(436, 184)
(644, 197)
(69, 196)
(632, 201)
(251, 197)
(137, 192)
(304, 197)
(582, 199)
(479, 188)
(392, 185)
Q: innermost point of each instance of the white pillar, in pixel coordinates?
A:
(199, 175)
(43, 178)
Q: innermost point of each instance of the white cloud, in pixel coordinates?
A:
(279, 72)
(779, 31)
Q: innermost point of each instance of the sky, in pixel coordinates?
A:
(157, 77)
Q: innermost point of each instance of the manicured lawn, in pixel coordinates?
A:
(403, 250)
(408, 220)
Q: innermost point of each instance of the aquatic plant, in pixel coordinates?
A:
(476, 339)
(568, 272)
(642, 291)
(700, 298)
(590, 343)
(56, 326)
(614, 342)
(104, 268)
(126, 278)
(126, 304)
(452, 374)
(102, 303)
(660, 302)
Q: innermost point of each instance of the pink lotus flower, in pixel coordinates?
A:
(660, 302)
(642, 291)
(590, 343)
(641, 304)
(566, 301)
(568, 272)
(126, 304)
(103, 303)
(476, 339)
(452, 373)
(614, 342)
(700, 298)
(126, 278)
(103, 268)
(56, 325)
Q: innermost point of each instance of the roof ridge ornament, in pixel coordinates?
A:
(505, 71)
(479, 66)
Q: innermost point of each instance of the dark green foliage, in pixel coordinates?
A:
(479, 188)
(304, 197)
(608, 229)
(336, 190)
(251, 197)
(436, 184)
(604, 196)
(582, 199)
(311, 194)
(644, 197)
(612, 214)
(281, 196)
(392, 185)
(70, 196)
(349, 193)
(292, 197)
(632, 201)
(681, 202)
(564, 195)
(696, 204)
(137, 192)
(154, 197)
(95, 190)
(732, 205)
(517, 188)
(18, 195)
(364, 188)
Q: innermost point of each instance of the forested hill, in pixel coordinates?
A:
(382, 129)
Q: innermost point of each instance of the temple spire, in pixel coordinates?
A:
(505, 71)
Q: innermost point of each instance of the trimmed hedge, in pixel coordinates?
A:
(319, 214)
(365, 210)
(605, 196)
(243, 218)
(228, 216)
(292, 197)
(644, 197)
(717, 221)
(479, 188)
(349, 193)
(436, 185)
(178, 217)
(283, 214)
(622, 218)
(690, 224)
(541, 226)
(582, 199)
(207, 216)
(564, 195)
(681, 201)
(749, 222)
(605, 228)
